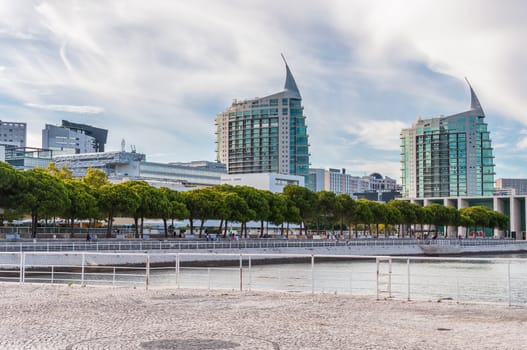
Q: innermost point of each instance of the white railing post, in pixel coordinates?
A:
(21, 268)
(390, 277)
(509, 282)
(113, 277)
(241, 273)
(147, 277)
(377, 276)
(408, 274)
(177, 270)
(250, 274)
(52, 273)
(82, 271)
(312, 274)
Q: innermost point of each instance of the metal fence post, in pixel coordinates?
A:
(377, 276)
(509, 281)
(241, 273)
(312, 274)
(177, 270)
(250, 274)
(82, 271)
(390, 277)
(21, 268)
(408, 274)
(147, 277)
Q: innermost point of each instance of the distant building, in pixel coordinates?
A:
(448, 156)
(122, 166)
(265, 135)
(25, 158)
(264, 181)
(511, 186)
(72, 138)
(13, 134)
(338, 181)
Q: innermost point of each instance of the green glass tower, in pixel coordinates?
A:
(265, 135)
(448, 156)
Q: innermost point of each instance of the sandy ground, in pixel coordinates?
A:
(62, 317)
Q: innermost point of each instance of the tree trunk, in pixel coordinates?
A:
(220, 230)
(287, 231)
(166, 227)
(191, 221)
(109, 229)
(261, 228)
(136, 222)
(202, 223)
(34, 221)
(225, 229)
(71, 225)
(142, 222)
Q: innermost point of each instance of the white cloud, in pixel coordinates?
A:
(161, 70)
(522, 144)
(378, 134)
(68, 108)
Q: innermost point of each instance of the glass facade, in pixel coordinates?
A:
(448, 156)
(265, 135)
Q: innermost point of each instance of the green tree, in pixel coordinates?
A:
(326, 208)
(41, 194)
(95, 178)
(362, 214)
(82, 204)
(118, 199)
(344, 211)
(175, 208)
(63, 173)
(304, 200)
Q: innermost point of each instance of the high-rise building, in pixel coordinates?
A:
(448, 155)
(13, 134)
(72, 138)
(265, 135)
(511, 186)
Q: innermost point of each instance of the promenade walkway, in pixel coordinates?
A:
(62, 317)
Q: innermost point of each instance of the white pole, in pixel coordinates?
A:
(377, 277)
(83, 263)
(509, 281)
(147, 277)
(408, 274)
(312, 274)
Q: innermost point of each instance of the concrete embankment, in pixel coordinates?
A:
(257, 255)
(261, 255)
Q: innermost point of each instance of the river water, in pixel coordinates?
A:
(490, 278)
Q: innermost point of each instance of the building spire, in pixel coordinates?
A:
(290, 84)
(474, 102)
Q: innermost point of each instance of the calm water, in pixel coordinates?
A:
(480, 281)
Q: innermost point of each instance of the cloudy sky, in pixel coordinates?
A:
(155, 72)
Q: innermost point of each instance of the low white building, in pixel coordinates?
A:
(263, 181)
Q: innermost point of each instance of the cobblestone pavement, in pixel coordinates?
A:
(62, 317)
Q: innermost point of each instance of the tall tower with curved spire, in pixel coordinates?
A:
(448, 156)
(265, 135)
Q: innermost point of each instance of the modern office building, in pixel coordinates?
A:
(123, 166)
(448, 156)
(511, 186)
(373, 186)
(25, 158)
(72, 138)
(263, 181)
(265, 135)
(13, 134)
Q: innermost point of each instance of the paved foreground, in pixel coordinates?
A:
(62, 317)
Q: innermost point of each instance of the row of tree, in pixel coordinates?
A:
(53, 192)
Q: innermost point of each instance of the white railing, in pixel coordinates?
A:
(493, 280)
(181, 244)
